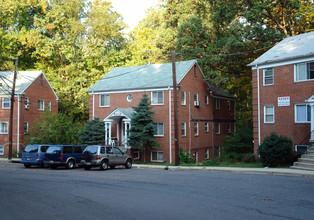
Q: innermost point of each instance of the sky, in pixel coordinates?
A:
(133, 10)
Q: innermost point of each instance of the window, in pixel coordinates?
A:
(183, 129)
(1, 150)
(217, 128)
(206, 127)
(26, 127)
(67, 150)
(49, 106)
(304, 71)
(157, 98)
(77, 150)
(159, 129)
(206, 154)
(268, 76)
(206, 100)
(104, 100)
(5, 102)
(26, 103)
(268, 114)
(229, 105)
(302, 113)
(129, 98)
(183, 98)
(195, 97)
(158, 156)
(229, 128)
(3, 127)
(41, 105)
(217, 103)
(136, 155)
(195, 128)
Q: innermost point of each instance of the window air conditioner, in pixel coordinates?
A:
(197, 103)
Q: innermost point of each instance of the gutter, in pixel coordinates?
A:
(258, 107)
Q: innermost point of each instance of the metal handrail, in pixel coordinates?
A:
(307, 137)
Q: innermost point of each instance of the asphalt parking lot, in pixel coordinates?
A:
(38, 193)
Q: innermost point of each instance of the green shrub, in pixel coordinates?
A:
(184, 157)
(276, 151)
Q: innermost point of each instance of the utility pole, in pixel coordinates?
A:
(11, 110)
(176, 136)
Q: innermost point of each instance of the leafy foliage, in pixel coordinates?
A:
(184, 158)
(53, 128)
(93, 132)
(276, 150)
(143, 126)
(238, 144)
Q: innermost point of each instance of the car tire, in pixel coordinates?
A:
(53, 166)
(128, 164)
(112, 167)
(87, 156)
(103, 165)
(43, 165)
(27, 165)
(70, 164)
(87, 167)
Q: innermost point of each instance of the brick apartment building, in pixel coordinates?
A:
(205, 112)
(283, 91)
(33, 94)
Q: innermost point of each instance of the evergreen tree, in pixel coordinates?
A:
(143, 126)
(93, 133)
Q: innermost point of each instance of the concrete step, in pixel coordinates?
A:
(303, 165)
(309, 156)
(301, 168)
(306, 160)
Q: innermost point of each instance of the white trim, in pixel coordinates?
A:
(283, 63)
(258, 107)
(273, 114)
(18, 126)
(132, 91)
(105, 94)
(163, 97)
(264, 77)
(295, 112)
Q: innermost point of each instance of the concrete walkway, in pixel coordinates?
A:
(270, 171)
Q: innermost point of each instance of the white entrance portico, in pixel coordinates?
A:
(120, 119)
(311, 103)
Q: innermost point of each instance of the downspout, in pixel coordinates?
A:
(93, 104)
(190, 118)
(18, 126)
(258, 108)
(170, 156)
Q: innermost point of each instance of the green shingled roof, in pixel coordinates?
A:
(142, 77)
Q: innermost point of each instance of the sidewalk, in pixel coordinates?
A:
(269, 171)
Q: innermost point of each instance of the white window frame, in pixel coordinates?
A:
(183, 129)
(273, 114)
(307, 108)
(6, 101)
(297, 69)
(158, 159)
(103, 97)
(5, 131)
(268, 77)
(195, 97)
(26, 127)
(153, 98)
(1, 150)
(206, 99)
(217, 103)
(26, 103)
(183, 98)
(136, 153)
(217, 128)
(207, 154)
(206, 127)
(49, 105)
(196, 130)
(157, 124)
(41, 105)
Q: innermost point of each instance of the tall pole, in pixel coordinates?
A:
(11, 111)
(176, 136)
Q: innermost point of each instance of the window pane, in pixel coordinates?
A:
(160, 97)
(301, 71)
(308, 113)
(310, 68)
(107, 100)
(160, 155)
(154, 155)
(268, 76)
(183, 98)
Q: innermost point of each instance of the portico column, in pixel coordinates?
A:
(108, 132)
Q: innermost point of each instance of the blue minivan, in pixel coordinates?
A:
(34, 155)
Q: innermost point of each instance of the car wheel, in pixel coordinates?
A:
(128, 164)
(27, 165)
(44, 165)
(53, 166)
(103, 165)
(112, 167)
(87, 167)
(70, 164)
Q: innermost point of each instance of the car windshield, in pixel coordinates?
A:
(31, 149)
(92, 149)
(54, 150)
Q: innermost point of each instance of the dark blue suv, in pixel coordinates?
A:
(34, 155)
(63, 155)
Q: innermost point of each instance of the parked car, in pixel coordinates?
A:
(63, 155)
(34, 155)
(104, 156)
